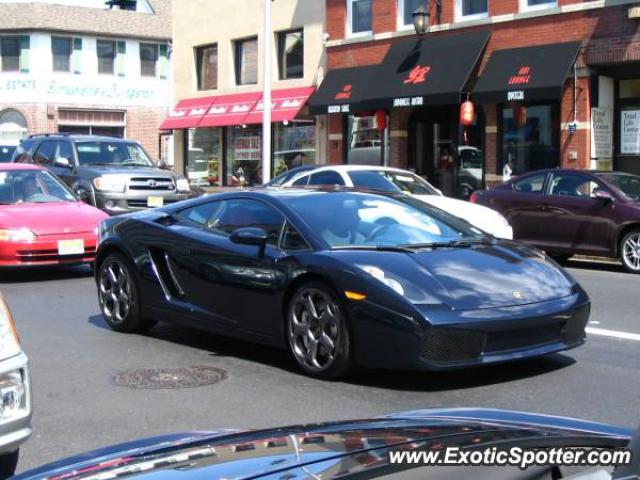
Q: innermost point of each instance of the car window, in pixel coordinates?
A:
(301, 181)
(21, 154)
(627, 183)
(572, 185)
(45, 153)
(65, 151)
(202, 214)
(6, 153)
(328, 177)
(373, 180)
(32, 186)
(241, 213)
(292, 240)
(530, 184)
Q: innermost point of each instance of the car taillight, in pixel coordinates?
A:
(474, 197)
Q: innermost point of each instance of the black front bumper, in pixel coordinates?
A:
(439, 338)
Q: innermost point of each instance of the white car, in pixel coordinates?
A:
(15, 393)
(395, 180)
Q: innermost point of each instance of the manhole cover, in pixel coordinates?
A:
(187, 377)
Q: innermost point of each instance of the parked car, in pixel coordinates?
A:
(113, 174)
(338, 277)
(396, 180)
(569, 212)
(42, 222)
(356, 449)
(6, 153)
(15, 393)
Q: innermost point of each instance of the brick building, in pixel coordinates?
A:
(537, 72)
(80, 67)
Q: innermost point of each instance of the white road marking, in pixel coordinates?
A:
(594, 322)
(613, 333)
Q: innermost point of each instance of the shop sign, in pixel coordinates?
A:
(630, 132)
(601, 133)
(338, 109)
(515, 95)
(408, 102)
(246, 148)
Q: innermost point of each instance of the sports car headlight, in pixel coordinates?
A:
(182, 184)
(111, 183)
(17, 235)
(9, 340)
(401, 286)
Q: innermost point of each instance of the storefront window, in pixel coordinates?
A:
(204, 156)
(365, 142)
(530, 138)
(293, 145)
(244, 156)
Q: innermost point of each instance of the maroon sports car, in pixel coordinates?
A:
(568, 212)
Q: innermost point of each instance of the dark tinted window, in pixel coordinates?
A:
(203, 215)
(6, 153)
(301, 181)
(571, 185)
(629, 184)
(243, 213)
(372, 180)
(65, 151)
(45, 153)
(22, 151)
(292, 240)
(531, 184)
(328, 177)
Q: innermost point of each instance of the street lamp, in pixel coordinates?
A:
(266, 94)
(421, 17)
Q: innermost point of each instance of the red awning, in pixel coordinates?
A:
(229, 110)
(285, 105)
(187, 113)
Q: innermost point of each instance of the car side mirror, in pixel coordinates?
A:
(83, 195)
(162, 165)
(62, 162)
(250, 236)
(603, 195)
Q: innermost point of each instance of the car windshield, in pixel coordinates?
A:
(6, 153)
(32, 186)
(391, 181)
(112, 153)
(350, 219)
(628, 184)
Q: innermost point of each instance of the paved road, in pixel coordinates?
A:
(74, 358)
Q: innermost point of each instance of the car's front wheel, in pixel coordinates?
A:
(8, 464)
(318, 333)
(118, 295)
(630, 251)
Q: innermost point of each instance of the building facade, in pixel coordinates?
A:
(551, 83)
(217, 116)
(81, 67)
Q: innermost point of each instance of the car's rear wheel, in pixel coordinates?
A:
(118, 295)
(318, 333)
(630, 251)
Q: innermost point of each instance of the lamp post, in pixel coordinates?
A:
(266, 94)
(421, 20)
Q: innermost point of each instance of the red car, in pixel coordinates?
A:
(41, 221)
(569, 212)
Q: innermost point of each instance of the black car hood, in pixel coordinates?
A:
(326, 449)
(484, 276)
(97, 170)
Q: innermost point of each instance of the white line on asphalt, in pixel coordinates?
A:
(594, 322)
(613, 333)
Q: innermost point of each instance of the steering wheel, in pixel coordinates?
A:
(377, 231)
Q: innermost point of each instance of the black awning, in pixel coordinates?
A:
(526, 74)
(429, 70)
(341, 90)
